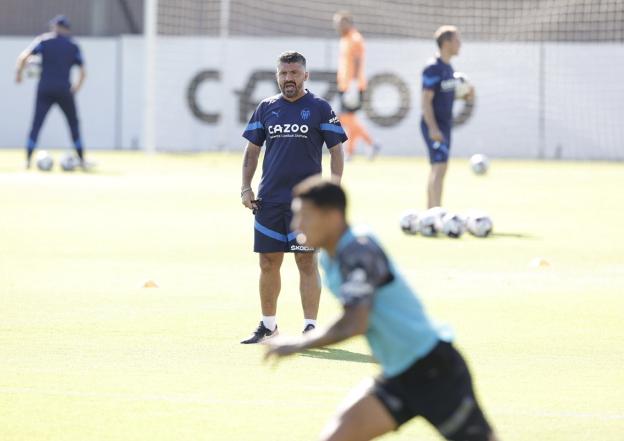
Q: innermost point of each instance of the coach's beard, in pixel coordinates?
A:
(290, 89)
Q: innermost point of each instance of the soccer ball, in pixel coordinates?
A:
(427, 224)
(479, 225)
(453, 225)
(44, 161)
(479, 164)
(409, 222)
(69, 162)
(462, 85)
(438, 213)
(33, 66)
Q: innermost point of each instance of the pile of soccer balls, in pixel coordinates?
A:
(437, 220)
(45, 161)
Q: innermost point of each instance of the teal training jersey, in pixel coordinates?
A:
(399, 331)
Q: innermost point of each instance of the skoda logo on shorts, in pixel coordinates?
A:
(305, 114)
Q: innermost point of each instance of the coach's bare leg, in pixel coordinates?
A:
(309, 284)
(361, 418)
(270, 281)
(435, 184)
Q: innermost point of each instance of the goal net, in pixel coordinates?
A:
(547, 73)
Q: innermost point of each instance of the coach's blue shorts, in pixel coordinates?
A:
(438, 151)
(272, 230)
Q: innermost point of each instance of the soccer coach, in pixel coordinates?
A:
(294, 124)
(59, 53)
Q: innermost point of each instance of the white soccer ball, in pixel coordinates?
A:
(438, 213)
(479, 225)
(462, 85)
(44, 160)
(33, 66)
(409, 222)
(453, 225)
(427, 224)
(479, 164)
(69, 162)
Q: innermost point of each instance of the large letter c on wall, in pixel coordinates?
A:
(191, 95)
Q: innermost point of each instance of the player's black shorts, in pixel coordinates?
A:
(346, 108)
(438, 388)
(272, 230)
(439, 152)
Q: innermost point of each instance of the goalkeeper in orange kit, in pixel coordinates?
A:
(351, 83)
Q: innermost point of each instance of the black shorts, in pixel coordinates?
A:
(438, 388)
(439, 152)
(346, 108)
(272, 232)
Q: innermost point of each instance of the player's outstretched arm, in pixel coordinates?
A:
(336, 162)
(250, 163)
(20, 65)
(354, 321)
(23, 58)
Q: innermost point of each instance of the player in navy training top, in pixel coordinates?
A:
(438, 95)
(422, 372)
(59, 53)
(295, 125)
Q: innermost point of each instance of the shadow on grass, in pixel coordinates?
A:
(512, 235)
(493, 234)
(338, 354)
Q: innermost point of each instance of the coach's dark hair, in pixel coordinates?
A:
(322, 193)
(291, 57)
(445, 33)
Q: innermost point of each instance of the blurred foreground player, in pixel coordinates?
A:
(59, 53)
(438, 96)
(423, 374)
(351, 82)
(294, 124)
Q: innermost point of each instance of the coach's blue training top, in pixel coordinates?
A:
(294, 134)
(399, 332)
(58, 54)
(438, 76)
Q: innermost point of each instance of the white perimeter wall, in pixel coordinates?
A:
(571, 105)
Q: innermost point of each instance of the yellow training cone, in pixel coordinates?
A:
(539, 262)
(150, 284)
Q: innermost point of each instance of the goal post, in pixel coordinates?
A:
(150, 34)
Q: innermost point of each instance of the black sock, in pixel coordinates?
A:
(78, 147)
(30, 148)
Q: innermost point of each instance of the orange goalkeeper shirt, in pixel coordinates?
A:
(351, 49)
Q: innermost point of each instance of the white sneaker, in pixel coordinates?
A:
(374, 151)
(87, 165)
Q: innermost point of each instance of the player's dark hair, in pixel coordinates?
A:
(445, 33)
(322, 193)
(291, 57)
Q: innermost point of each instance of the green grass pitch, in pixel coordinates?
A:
(87, 353)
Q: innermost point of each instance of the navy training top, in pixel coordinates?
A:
(294, 133)
(58, 54)
(438, 76)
